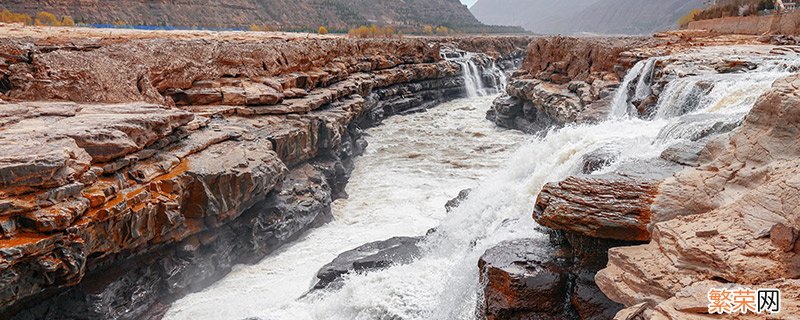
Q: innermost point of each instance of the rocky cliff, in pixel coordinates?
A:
(139, 167)
(335, 14)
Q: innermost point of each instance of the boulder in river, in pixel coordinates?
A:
(370, 256)
(455, 202)
(525, 279)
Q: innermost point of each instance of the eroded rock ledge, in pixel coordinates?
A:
(136, 170)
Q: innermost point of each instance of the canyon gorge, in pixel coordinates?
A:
(245, 175)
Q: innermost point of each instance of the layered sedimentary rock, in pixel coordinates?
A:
(730, 222)
(572, 80)
(135, 170)
(564, 80)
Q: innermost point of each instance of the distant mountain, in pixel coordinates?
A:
(631, 16)
(540, 16)
(335, 14)
(592, 16)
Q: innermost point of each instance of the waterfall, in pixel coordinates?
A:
(475, 73)
(697, 88)
(730, 93)
(620, 105)
(643, 86)
(472, 78)
(444, 282)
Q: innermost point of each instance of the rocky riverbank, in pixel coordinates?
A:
(654, 236)
(572, 80)
(139, 167)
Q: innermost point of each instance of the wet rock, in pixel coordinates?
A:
(525, 279)
(370, 256)
(455, 202)
(684, 153)
(588, 301)
(700, 126)
(597, 160)
(546, 278)
(612, 206)
(732, 66)
(515, 113)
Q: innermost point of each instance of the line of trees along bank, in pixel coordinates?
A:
(42, 18)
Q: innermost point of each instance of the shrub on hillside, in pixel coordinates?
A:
(684, 21)
(733, 8)
(322, 30)
(67, 21)
(442, 31)
(7, 16)
(265, 28)
(44, 18)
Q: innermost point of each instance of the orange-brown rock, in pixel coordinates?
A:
(572, 79)
(565, 80)
(615, 205)
(564, 59)
(728, 222)
(545, 279)
(525, 279)
(136, 163)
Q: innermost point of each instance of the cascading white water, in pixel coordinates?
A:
(474, 74)
(645, 79)
(413, 165)
(619, 105)
(698, 86)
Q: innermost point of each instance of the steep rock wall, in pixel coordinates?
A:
(565, 80)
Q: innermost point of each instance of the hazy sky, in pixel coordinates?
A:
(468, 2)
